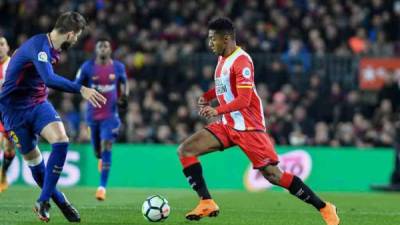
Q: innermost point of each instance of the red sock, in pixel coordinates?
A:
(286, 180)
(188, 161)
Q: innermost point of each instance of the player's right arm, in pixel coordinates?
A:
(207, 97)
(41, 61)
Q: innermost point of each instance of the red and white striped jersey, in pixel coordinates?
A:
(3, 68)
(233, 72)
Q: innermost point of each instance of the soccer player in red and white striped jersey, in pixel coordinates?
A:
(9, 150)
(242, 124)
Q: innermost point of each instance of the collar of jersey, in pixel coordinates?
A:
(232, 54)
(5, 59)
(49, 39)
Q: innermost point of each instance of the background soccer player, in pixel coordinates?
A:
(26, 113)
(5, 144)
(243, 124)
(108, 76)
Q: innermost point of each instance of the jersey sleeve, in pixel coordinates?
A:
(244, 72)
(41, 58)
(210, 95)
(122, 73)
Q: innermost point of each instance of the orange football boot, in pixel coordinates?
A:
(101, 194)
(206, 207)
(329, 214)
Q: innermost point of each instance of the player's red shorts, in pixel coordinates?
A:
(255, 144)
(3, 131)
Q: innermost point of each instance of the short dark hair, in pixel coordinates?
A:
(70, 21)
(103, 39)
(222, 25)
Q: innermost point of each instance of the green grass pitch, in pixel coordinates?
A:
(123, 206)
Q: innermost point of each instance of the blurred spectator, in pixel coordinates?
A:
(359, 43)
(321, 136)
(390, 91)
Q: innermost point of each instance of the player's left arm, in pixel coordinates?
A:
(244, 75)
(123, 88)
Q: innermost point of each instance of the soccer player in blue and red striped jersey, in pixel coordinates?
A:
(26, 113)
(108, 76)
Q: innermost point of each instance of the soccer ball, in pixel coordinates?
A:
(155, 208)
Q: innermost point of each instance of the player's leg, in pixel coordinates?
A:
(26, 142)
(300, 190)
(55, 134)
(202, 142)
(45, 121)
(261, 152)
(108, 133)
(35, 163)
(94, 129)
(19, 131)
(95, 139)
(105, 169)
(8, 156)
(293, 184)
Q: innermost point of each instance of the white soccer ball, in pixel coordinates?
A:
(155, 208)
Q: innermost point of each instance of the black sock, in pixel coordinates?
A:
(8, 158)
(194, 175)
(303, 192)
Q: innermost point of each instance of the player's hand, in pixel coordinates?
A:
(202, 102)
(94, 97)
(123, 102)
(208, 112)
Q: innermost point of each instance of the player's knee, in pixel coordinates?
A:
(33, 157)
(180, 150)
(184, 150)
(272, 177)
(62, 138)
(106, 145)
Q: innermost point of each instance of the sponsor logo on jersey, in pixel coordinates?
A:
(220, 87)
(104, 88)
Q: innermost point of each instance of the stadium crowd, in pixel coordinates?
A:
(160, 40)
